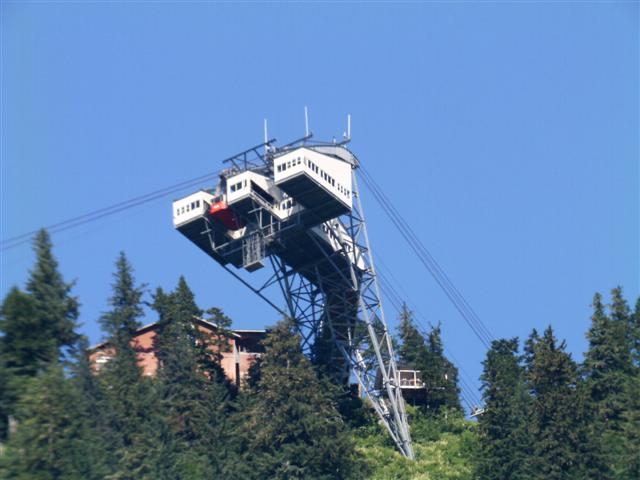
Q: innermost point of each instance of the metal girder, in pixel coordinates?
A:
(337, 291)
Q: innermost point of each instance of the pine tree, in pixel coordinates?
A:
(5, 402)
(631, 416)
(427, 355)
(54, 309)
(194, 394)
(608, 368)
(412, 344)
(130, 400)
(122, 321)
(529, 348)
(634, 332)
(23, 352)
(37, 326)
(629, 466)
(562, 444)
(293, 429)
(503, 433)
(440, 375)
(42, 448)
(93, 455)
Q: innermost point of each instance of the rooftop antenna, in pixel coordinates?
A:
(346, 136)
(306, 121)
(266, 137)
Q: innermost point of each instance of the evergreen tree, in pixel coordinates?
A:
(330, 365)
(5, 402)
(93, 455)
(628, 467)
(440, 375)
(411, 349)
(631, 417)
(427, 355)
(324, 353)
(529, 348)
(623, 319)
(122, 321)
(503, 426)
(37, 326)
(194, 393)
(293, 429)
(24, 349)
(42, 447)
(22, 352)
(608, 367)
(130, 400)
(562, 443)
(53, 308)
(634, 332)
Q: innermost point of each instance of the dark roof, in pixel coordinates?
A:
(233, 332)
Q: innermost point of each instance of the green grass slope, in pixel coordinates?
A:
(445, 448)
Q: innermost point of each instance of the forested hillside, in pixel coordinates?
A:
(546, 416)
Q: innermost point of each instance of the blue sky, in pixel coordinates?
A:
(507, 133)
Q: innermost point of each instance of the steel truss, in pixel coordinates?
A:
(339, 299)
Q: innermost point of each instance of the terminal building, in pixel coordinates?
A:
(243, 348)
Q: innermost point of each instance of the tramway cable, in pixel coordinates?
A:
(459, 302)
(421, 320)
(107, 211)
(467, 391)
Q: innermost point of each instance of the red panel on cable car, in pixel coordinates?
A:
(221, 212)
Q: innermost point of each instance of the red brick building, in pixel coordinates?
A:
(243, 348)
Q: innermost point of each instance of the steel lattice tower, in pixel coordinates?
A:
(317, 254)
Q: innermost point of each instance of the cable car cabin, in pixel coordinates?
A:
(411, 379)
(190, 218)
(320, 183)
(220, 212)
(414, 390)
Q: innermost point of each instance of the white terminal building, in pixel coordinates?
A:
(290, 219)
(253, 211)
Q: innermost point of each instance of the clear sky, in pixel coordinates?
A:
(507, 133)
